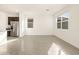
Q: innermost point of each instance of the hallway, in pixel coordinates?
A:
(36, 45)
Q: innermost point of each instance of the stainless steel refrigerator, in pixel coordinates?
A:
(15, 28)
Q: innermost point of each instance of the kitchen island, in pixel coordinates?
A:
(3, 37)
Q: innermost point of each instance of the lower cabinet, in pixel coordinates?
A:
(3, 37)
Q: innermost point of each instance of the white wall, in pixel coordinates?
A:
(43, 24)
(21, 24)
(3, 21)
(72, 34)
(12, 14)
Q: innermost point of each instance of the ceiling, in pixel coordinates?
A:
(42, 8)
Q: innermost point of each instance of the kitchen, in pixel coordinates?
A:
(13, 27)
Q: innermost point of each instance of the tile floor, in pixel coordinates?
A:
(38, 45)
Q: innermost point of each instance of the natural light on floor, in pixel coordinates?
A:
(55, 50)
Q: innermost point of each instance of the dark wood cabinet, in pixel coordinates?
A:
(12, 19)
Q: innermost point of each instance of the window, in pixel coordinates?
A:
(64, 23)
(30, 23)
(59, 22)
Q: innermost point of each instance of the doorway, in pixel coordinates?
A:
(13, 27)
